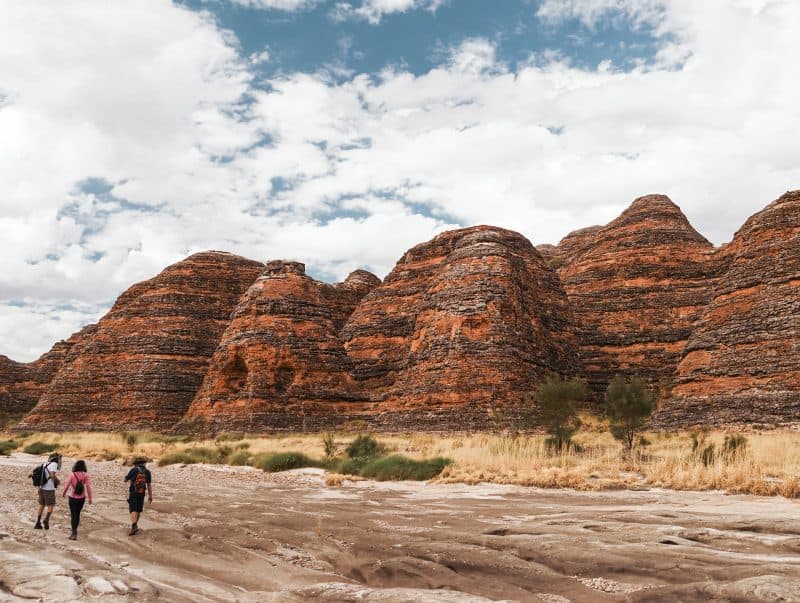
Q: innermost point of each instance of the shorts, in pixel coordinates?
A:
(47, 498)
(135, 502)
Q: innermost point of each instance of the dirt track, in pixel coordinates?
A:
(223, 534)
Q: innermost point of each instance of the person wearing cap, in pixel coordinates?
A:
(140, 479)
(47, 490)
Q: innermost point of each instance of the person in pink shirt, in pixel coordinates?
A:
(79, 487)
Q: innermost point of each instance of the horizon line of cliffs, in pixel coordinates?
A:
(465, 326)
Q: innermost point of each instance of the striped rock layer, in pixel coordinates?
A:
(637, 286)
(742, 362)
(470, 319)
(281, 363)
(143, 362)
(23, 383)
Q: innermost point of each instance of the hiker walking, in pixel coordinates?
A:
(45, 476)
(80, 488)
(140, 478)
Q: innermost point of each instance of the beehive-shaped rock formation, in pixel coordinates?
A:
(23, 383)
(742, 363)
(472, 319)
(141, 365)
(637, 287)
(280, 363)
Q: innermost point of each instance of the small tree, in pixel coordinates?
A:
(558, 401)
(628, 405)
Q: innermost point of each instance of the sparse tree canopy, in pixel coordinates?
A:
(629, 405)
(558, 400)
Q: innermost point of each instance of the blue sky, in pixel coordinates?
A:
(342, 132)
(416, 40)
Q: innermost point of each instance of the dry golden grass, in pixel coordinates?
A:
(769, 465)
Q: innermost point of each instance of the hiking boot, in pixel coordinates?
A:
(46, 523)
(73, 536)
(134, 531)
(38, 525)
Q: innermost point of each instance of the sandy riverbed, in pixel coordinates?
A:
(217, 533)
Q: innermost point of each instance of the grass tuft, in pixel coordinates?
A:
(283, 461)
(39, 448)
(8, 446)
(397, 467)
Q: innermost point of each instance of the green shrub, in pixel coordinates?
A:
(629, 405)
(238, 458)
(230, 436)
(557, 402)
(7, 447)
(364, 446)
(398, 467)
(283, 461)
(734, 447)
(329, 444)
(191, 456)
(352, 466)
(39, 448)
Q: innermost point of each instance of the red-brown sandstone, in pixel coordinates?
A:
(742, 362)
(467, 323)
(637, 287)
(21, 384)
(141, 365)
(281, 364)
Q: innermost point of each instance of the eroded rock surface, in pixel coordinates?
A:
(469, 319)
(22, 384)
(742, 363)
(637, 287)
(140, 367)
(281, 363)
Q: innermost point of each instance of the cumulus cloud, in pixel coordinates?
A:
(589, 12)
(373, 11)
(133, 136)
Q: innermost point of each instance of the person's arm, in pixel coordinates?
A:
(54, 476)
(128, 476)
(67, 484)
(149, 492)
(88, 486)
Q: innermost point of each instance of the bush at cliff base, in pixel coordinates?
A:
(398, 467)
(7, 447)
(39, 448)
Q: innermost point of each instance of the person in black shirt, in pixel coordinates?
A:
(140, 480)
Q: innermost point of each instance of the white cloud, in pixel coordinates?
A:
(341, 174)
(590, 12)
(373, 11)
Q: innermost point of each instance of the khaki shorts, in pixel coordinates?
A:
(47, 498)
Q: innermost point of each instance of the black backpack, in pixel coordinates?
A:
(140, 481)
(39, 476)
(78, 487)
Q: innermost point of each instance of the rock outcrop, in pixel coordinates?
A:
(472, 319)
(742, 362)
(22, 384)
(281, 364)
(141, 365)
(637, 286)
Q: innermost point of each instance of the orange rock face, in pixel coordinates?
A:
(21, 384)
(140, 367)
(742, 362)
(281, 363)
(470, 319)
(637, 287)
